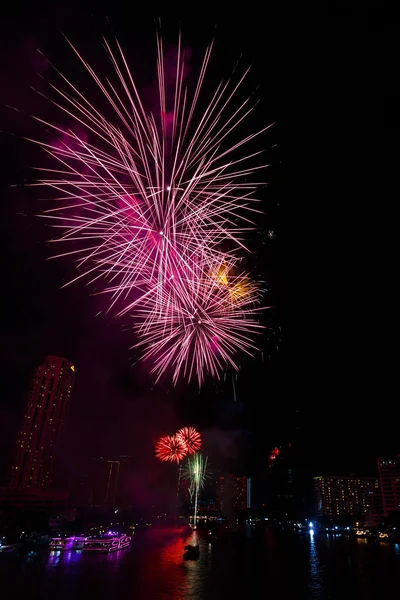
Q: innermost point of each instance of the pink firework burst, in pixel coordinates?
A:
(202, 326)
(156, 205)
(191, 438)
(170, 449)
(142, 194)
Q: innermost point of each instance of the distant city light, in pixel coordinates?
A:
(311, 526)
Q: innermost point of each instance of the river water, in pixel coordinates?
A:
(251, 564)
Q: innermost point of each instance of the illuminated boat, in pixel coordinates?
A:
(7, 545)
(107, 542)
(61, 542)
(78, 542)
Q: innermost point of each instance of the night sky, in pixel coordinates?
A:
(333, 96)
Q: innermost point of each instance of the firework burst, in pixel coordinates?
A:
(142, 194)
(170, 449)
(191, 438)
(201, 327)
(156, 204)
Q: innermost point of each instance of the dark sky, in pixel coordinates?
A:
(332, 93)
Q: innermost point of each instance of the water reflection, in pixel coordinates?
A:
(161, 570)
(315, 575)
(264, 564)
(66, 557)
(54, 557)
(184, 575)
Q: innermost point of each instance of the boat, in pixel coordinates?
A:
(191, 552)
(67, 542)
(78, 542)
(61, 542)
(9, 545)
(107, 542)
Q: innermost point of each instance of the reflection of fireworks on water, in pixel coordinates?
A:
(191, 438)
(151, 199)
(196, 472)
(170, 449)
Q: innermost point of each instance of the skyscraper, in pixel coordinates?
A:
(280, 491)
(234, 493)
(288, 473)
(104, 477)
(389, 478)
(110, 481)
(48, 401)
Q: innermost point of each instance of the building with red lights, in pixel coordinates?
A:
(389, 479)
(234, 493)
(45, 412)
(338, 496)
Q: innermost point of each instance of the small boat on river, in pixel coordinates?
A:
(191, 552)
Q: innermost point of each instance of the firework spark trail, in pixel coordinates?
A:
(196, 473)
(157, 207)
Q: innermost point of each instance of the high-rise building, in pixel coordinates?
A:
(287, 479)
(105, 480)
(389, 479)
(123, 496)
(234, 493)
(48, 401)
(110, 481)
(346, 496)
(280, 492)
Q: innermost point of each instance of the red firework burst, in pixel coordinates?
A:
(170, 449)
(191, 439)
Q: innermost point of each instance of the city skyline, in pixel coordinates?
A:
(109, 482)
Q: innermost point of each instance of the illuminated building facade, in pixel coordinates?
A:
(346, 496)
(389, 479)
(45, 412)
(234, 492)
